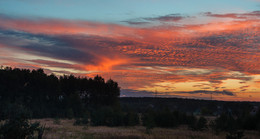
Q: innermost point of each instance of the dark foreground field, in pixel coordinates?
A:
(64, 129)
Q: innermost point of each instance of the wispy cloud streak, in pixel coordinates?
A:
(140, 57)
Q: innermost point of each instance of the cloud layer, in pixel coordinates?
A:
(210, 56)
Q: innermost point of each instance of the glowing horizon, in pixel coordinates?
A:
(191, 53)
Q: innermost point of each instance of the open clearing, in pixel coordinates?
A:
(65, 129)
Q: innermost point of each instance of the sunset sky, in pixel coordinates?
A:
(162, 48)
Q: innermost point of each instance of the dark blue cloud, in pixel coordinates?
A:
(234, 15)
(166, 18)
(43, 45)
(224, 92)
(149, 20)
(136, 22)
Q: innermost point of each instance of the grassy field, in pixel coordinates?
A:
(64, 129)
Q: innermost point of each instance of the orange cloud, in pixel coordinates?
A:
(143, 57)
(106, 64)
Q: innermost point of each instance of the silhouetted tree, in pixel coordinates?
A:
(50, 96)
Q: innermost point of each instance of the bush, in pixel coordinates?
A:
(167, 118)
(82, 121)
(235, 135)
(19, 129)
(56, 121)
(70, 113)
(200, 124)
(18, 126)
(149, 120)
(107, 116)
(189, 120)
(224, 123)
(77, 121)
(131, 119)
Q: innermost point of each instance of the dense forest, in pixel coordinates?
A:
(49, 96)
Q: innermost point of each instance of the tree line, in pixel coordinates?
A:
(51, 96)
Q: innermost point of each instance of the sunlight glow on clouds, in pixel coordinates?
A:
(218, 53)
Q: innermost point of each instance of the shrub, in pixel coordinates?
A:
(18, 126)
(167, 118)
(70, 113)
(200, 124)
(224, 123)
(82, 121)
(19, 129)
(235, 135)
(131, 119)
(107, 116)
(56, 121)
(149, 120)
(77, 121)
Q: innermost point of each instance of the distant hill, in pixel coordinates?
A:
(208, 107)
